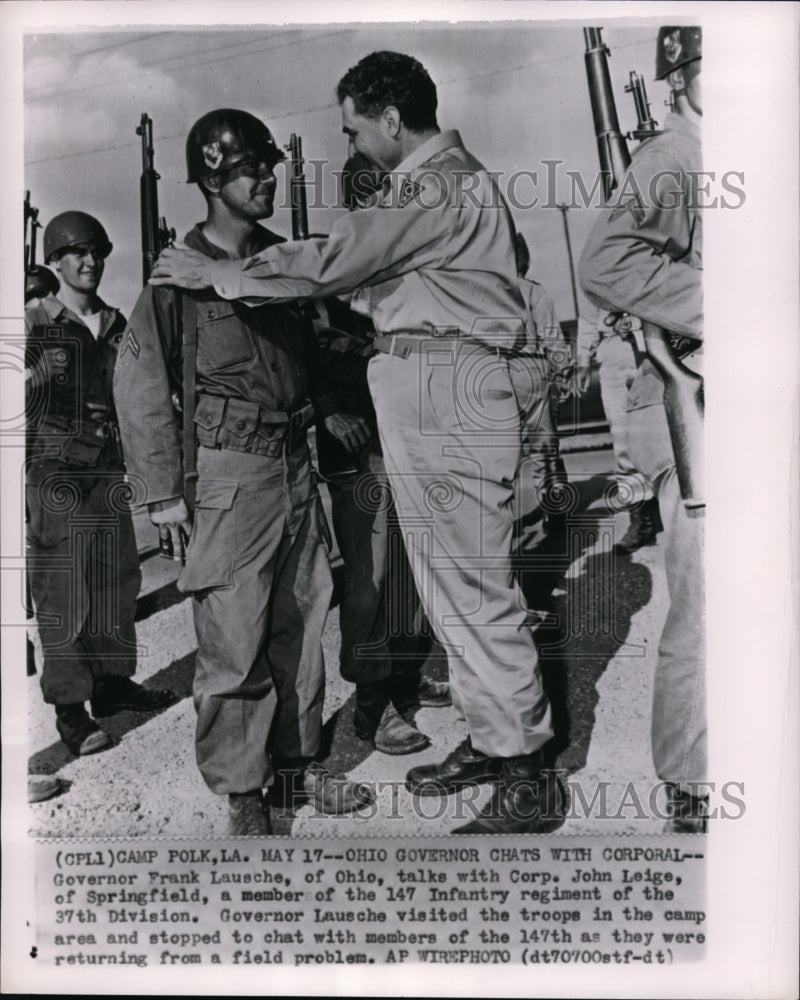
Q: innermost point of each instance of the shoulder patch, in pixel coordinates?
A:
(408, 191)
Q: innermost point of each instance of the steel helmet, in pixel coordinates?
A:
(676, 48)
(225, 138)
(360, 181)
(73, 229)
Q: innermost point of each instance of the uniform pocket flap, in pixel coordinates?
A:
(241, 418)
(216, 495)
(210, 312)
(209, 411)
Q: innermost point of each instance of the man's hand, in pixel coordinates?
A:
(583, 377)
(174, 528)
(182, 267)
(348, 429)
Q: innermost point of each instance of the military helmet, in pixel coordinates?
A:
(74, 229)
(676, 48)
(360, 181)
(223, 139)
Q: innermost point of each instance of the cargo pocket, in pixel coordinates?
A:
(211, 555)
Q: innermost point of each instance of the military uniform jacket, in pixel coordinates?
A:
(71, 417)
(644, 255)
(251, 366)
(434, 254)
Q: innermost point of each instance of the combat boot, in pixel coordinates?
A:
(377, 720)
(412, 689)
(463, 766)
(298, 780)
(645, 523)
(248, 815)
(527, 799)
(686, 812)
(81, 733)
(120, 694)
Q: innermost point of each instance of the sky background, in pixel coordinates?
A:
(516, 91)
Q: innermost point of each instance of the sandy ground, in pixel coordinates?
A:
(598, 660)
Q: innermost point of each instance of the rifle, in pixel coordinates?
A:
(683, 388)
(155, 236)
(39, 280)
(297, 188)
(155, 233)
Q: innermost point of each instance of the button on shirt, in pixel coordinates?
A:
(435, 252)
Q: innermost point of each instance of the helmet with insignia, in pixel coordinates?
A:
(360, 182)
(72, 229)
(226, 138)
(676, 48)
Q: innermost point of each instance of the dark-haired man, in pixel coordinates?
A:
(433, 265)
(257, 566)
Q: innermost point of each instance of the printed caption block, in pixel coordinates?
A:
(504, 900)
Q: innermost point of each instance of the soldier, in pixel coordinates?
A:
(434, 268)
(83, 565)
(645, 257)
(257, 566)
(613, 345)
(384, 639)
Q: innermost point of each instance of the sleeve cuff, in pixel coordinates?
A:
(226, 278)
(159, 505)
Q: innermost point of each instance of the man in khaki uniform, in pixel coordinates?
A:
(644, 257)
(434, 267)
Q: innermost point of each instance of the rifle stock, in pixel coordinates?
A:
(683, 388)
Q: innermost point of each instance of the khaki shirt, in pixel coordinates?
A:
(436, 252)
(644, 255)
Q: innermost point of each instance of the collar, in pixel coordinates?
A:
(430, 148)
(56, 310)
(262, 238)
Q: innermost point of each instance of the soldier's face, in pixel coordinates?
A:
(81, 268)
(248, 190)
(370, 137)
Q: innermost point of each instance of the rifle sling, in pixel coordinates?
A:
(189, 342)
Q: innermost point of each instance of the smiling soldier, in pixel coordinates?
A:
(257, 564)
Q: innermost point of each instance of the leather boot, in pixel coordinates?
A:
(121, 694)
(396, 736)
(526, 800)
(79, 731)
(377, 720)
(248, 815)
(642, 529)
(686, 812)
(298, 780)
(464, 766)
(411, 689)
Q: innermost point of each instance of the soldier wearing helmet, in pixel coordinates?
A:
(76, 499)
(644, 257)
(257, 563)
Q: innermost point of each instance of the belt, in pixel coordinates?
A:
(402, 345)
